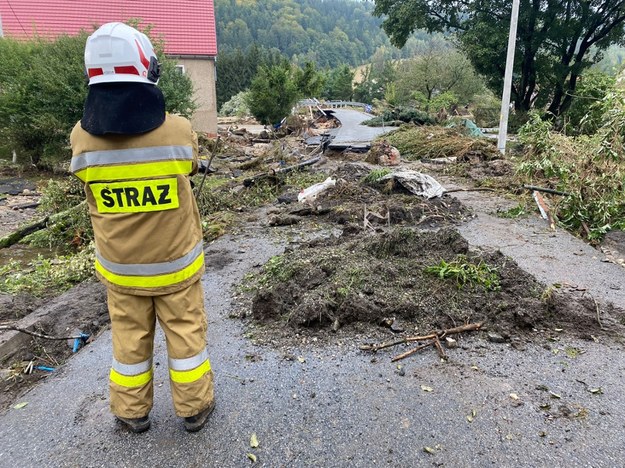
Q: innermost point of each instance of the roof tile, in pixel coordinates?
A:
(188, 26)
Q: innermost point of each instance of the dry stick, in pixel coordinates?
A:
(39, 335)
(412, 351)
(598, 312)
(546, 190)
(439, 348)
(431, 336)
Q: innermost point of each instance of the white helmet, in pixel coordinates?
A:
(118, 53)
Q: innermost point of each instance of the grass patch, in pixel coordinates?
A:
(375, 175)
(513, 213)
(276, 270)
(466, 273)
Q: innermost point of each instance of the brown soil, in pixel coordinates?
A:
(374, 278)
(389, 204)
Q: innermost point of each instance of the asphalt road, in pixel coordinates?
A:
(351, 134)
(490, 405)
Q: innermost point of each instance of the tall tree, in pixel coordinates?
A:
(557, 39)
(339, 84)
(273, 93)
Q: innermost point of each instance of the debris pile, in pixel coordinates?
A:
(422, 280)
(382, 153)
(418, 143)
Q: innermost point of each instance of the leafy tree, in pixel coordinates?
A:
(273, 93)
(557, 40)
(588, 109)
(339, 84)
(377, 78)
(437, 72)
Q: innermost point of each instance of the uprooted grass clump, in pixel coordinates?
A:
(429, 278)
(433, 142)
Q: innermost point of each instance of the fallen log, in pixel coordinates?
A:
(23, 206)
(23, 231)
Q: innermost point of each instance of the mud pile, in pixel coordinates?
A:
(355, 197)
(377, 277)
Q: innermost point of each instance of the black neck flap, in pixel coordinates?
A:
(123, 109)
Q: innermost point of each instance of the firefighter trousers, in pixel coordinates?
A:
(182, 318)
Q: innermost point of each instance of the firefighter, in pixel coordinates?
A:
(134, 160)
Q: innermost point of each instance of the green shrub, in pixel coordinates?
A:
(401, 114)
(590, 169)
(43, 89)
(273, 93)
(236, 106)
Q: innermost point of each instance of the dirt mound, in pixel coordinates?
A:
(429, 280)
(357, 196)
(81, 309)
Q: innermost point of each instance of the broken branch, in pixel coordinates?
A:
(438, 334)
(252, 180)
(546, 190)
(38, 225)
(412, 351)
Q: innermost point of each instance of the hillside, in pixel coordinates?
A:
(327, 32)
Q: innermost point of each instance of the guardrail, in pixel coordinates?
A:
(333, 104)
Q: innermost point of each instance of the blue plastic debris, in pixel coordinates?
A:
(45, 368)
(80, 342)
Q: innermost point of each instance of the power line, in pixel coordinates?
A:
(16, 17)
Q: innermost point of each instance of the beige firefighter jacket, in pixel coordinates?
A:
(147, 227)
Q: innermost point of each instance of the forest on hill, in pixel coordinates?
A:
(326, 32)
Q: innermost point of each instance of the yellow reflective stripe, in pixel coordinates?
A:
(130, 380)
(136, 196)
(190, 375)
(135, 171)
(155, 281)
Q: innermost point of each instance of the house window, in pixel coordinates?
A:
(180, 69)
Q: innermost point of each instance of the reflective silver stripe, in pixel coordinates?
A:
(131, 369)
(151, 269)
(131, 155)
(189, 363)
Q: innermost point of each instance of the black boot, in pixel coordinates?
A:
(136, 425)
(197, 422)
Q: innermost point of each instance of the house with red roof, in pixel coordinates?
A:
(187, 26)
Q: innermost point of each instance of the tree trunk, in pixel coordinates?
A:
(38, 225)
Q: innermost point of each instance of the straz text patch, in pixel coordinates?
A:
(136, 196)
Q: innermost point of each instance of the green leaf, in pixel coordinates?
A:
(252, 457)
(254, 441)
(21, 405)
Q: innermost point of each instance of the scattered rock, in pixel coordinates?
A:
(450, 343)
(495, 338)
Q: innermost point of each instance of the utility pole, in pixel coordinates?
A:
(507, 82)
